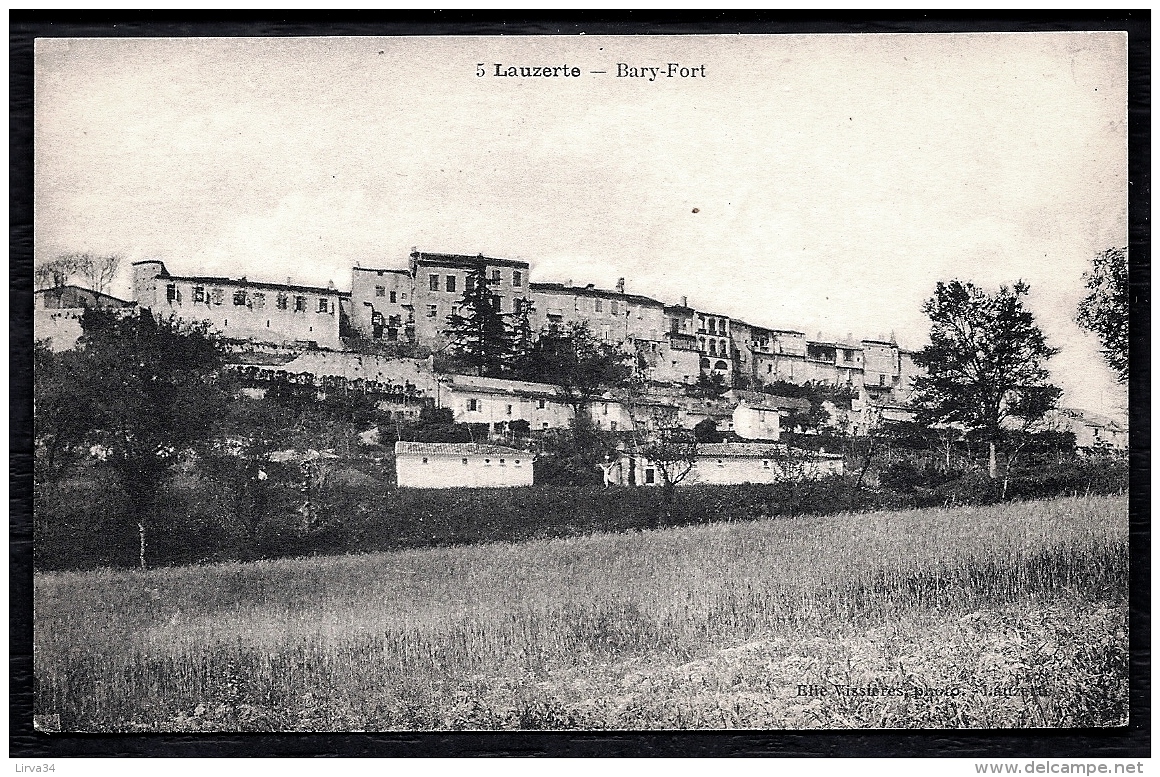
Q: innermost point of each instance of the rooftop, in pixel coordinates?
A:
(465, 261)
(101, 296)
(457, 449)
(212, 280)
(754, 450)
(591, 291)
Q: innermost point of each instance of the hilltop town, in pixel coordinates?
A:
(386, 331)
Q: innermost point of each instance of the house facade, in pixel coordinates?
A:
(461, 465)
(381, 304)
(731, 464)
(440, 280)
(242, 309)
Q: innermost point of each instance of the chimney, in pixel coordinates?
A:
(590, 286)
(289, 282)
(620, 285)
(568, 283)
(330, 285)
(849, 337)
(684, 301)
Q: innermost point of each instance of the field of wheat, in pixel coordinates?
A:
(1009, 615)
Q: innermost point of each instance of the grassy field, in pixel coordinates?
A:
(1010, 615)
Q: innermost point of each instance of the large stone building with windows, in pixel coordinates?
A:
(242, 309)
(439, 281)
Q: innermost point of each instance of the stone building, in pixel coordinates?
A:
(498, 402)
(381, 304)
(242, 309)
(56, 313)
(439, 281)
(611, 316)
(461, 465)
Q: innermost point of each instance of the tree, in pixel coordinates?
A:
(673, 451)
(96, 271)
(480, 337)
(1104, 311)
(985, 362)
(580, 365)
(706, 431)
(145, 391)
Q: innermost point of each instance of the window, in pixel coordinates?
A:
(451, 283)
(503, 462)
(720, 463)
(323, 305)
(240, 297)
(768, 369)
(259, 301)
(545, 424)
(765, 463)
(599, 306)
(881, 380)
(605, 405)
(650, 476)
(541, 405)
(432, 311)
(199, 293)
(434, 280)
(282, 302)
(472, 405)
(509, 410)
(381, 291)
(517, 462)
(497, 303)
(469, 283)
(424, 459)
(465, 462)
(394, 297)
(517, 278)
(300, 304)
(612, 426)
(495, 277)
(487, 462)
(170, 292)
(614, 307)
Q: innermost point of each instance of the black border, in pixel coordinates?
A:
(1131, 741)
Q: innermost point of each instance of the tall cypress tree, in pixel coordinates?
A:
(480, 334)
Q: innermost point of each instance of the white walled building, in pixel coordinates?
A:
(461, 465)
(757, 421)
(242, 309)
(497, 402)
(733, 464)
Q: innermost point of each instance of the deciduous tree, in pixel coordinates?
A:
(146, 391)
(1104, 311)
(985, 362)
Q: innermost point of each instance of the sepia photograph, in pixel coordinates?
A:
(580, 383)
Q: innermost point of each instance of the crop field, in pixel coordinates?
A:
(1010, 615)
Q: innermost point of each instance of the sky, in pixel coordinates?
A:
(822, 183)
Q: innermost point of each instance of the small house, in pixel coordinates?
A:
(729, 464)
(461, 465)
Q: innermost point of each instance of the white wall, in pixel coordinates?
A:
(447, 471)
(755, 423)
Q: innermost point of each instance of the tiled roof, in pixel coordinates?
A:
(584, 291)
(457, 449)
(462, 260)
(99, 295)
(753, 450)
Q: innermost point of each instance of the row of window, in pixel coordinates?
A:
(474, 406)
(242, 298)
(381, 291)
(715, 348)
(450, 282)
(487, 462)
(714, 326)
